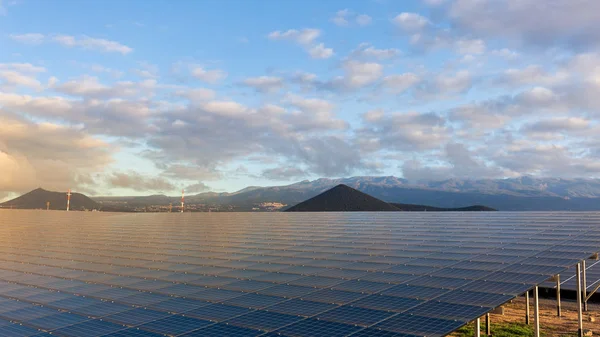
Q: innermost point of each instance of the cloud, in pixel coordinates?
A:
(363, 20)
(50, 155)
(458, 162)
(90, 43)
(319, 51)
(138, 182)
(532, 74)
(411, 22)
(443, 84)
(29, 38)
(557, 124)
(401, 82)
(340, 17)
(558, 23)
(197, 188)
(11, 77)
(470, 46)
(146, 70)
(209, 76)
(307, 39)
(265, 83)
(283, 173)
(196, 95)
(367, 51)
(305, 36)
(343, 16)
(70, 41)
(405, 132)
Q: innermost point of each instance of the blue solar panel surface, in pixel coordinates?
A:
(245, 274)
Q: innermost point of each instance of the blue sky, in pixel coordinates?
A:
(138, 97)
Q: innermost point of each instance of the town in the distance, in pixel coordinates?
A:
(514, 194)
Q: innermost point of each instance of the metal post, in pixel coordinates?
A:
(558, 312)
(477, 328)
(488, 325)
(536, 311)
(579, 313)
(584, 286)
(527, 307)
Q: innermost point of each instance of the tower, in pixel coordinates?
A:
(182, 199)
(68, 199)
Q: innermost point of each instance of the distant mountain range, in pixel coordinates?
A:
(38, 198)
(518, 194)
(343, 198)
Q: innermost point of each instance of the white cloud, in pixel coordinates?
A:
(49, 155)
(265, 83)
(307, 39)
(525, 22)
(400, 83)
(197, 94)
(319, 51)
(29, 38)
(90, 43)
(340, 17)
(363, 20)
(411, 22)
(13, 78)
(367, 51)
(209, 76)
(305, 36)
(359, 74)
(506, 54)
(470, 46)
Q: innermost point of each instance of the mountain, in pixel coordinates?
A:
(423, 208)
(342, 198)
(514, 194)
(37, 199)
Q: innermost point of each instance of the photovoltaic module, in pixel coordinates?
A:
(275, 274)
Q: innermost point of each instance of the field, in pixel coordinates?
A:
(512, 323)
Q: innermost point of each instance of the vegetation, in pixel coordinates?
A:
(498, 330)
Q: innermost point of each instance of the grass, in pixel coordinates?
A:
(498, 330)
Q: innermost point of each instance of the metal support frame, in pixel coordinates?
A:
(558, 309)
(477, 327)
(488, 325)
(536, 311)
(584, 285)
(579, 313)
(527, 307)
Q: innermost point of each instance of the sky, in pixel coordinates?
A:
(142, 97)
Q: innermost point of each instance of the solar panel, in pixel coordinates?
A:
(379, 275)
(355, 315)
(313, 327)
(175, 325)
(135, 316)
(263, 320)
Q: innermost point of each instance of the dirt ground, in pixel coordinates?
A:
(550, 323)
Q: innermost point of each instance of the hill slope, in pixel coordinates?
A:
(423, 208)
(37, 199)
(342, 198)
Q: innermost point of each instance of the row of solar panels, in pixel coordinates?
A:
(428, 298)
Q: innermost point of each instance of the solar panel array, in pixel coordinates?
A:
(246, 274)
(568, 279)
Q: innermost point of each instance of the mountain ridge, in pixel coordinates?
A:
(36, 199)
(342, 198)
